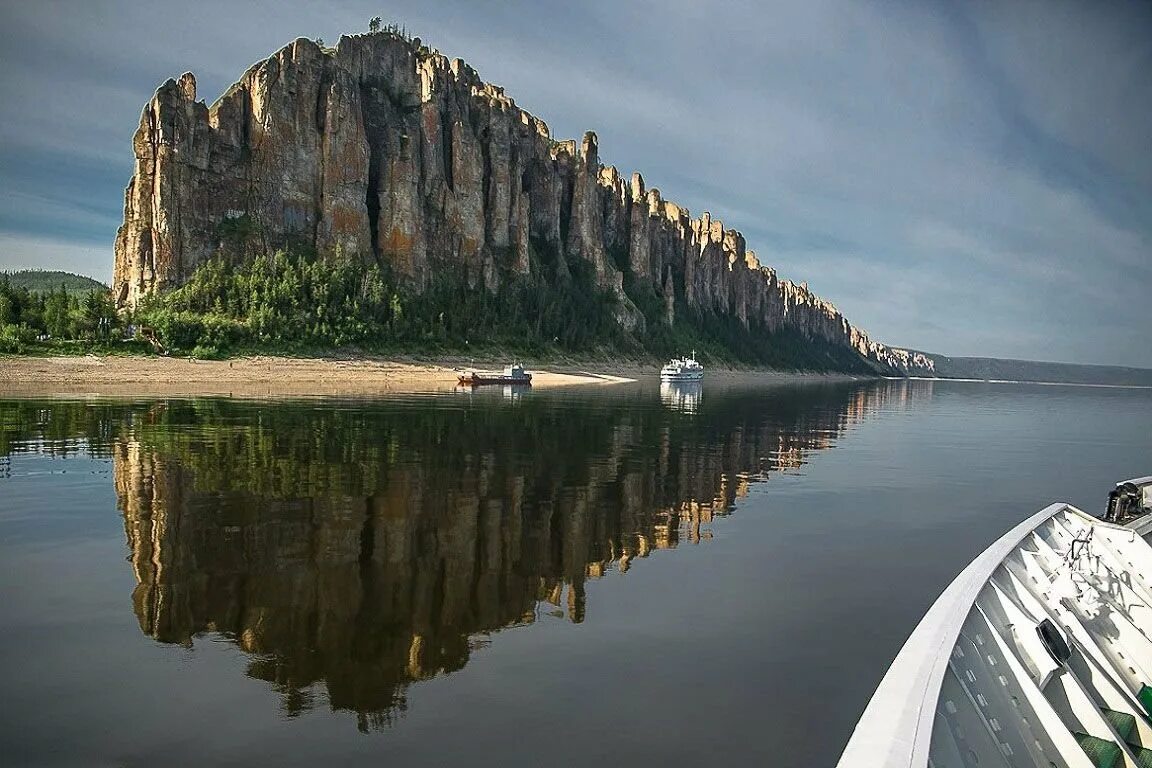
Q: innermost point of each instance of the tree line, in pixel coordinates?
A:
(290, 302)
(30, 318)
(302, 303)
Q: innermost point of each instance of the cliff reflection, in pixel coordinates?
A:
(352, 549)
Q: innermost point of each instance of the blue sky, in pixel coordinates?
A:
(967, 178)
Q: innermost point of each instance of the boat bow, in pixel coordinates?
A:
(1038, 653)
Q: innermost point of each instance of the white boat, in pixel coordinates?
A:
(1038, 654)
(682, 369)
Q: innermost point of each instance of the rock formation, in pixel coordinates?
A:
(383, 553)
(385, 150)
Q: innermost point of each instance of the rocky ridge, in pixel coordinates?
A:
(384, 149)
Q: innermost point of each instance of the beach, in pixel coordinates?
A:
(255, 376)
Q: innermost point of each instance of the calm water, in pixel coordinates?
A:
(556, 578)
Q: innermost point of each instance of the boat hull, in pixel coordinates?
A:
(1037, 654)
(692, 376)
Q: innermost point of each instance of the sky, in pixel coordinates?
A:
(968, 178)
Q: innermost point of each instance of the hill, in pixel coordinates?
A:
(1002, 369)
(44, 280)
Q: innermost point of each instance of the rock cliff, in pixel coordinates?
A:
(385, 150)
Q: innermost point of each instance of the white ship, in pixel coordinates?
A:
(1038, 654)
(682, 369)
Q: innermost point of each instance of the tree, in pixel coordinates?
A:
(99, 315)
(9, 311)
(374, 24)
(57, 313)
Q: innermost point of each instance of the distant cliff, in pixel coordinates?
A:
(385, 151)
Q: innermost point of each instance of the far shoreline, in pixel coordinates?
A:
(275, 376)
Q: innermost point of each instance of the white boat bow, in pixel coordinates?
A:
(1038, 654)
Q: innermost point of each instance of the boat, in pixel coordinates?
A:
(1130, 503)
(513, 374)
(1038, 654)
(682, 369)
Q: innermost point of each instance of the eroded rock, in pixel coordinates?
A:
(387, 151)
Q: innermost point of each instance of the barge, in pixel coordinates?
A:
(513, 374)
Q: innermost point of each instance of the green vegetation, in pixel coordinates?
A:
(42, 310)
(58, 320)
(43, 281)
(724, 339)
(298, 303)
(376, 25)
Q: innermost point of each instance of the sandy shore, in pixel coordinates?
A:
(247, 376)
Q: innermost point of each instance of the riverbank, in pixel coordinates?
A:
(250, 376)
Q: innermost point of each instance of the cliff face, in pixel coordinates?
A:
(387, 150)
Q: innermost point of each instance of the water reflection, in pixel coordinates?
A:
(681, 395)
(352, 549)
(507, 392)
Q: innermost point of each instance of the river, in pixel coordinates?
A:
(634, 575)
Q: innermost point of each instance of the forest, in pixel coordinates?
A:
(58, 318)
(301, 304)
(44, 280)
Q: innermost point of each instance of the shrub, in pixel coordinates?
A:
(15, 339)
(178, 329)
(206, 352)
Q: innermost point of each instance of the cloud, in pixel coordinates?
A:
(37, 213)
(1077, 74)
